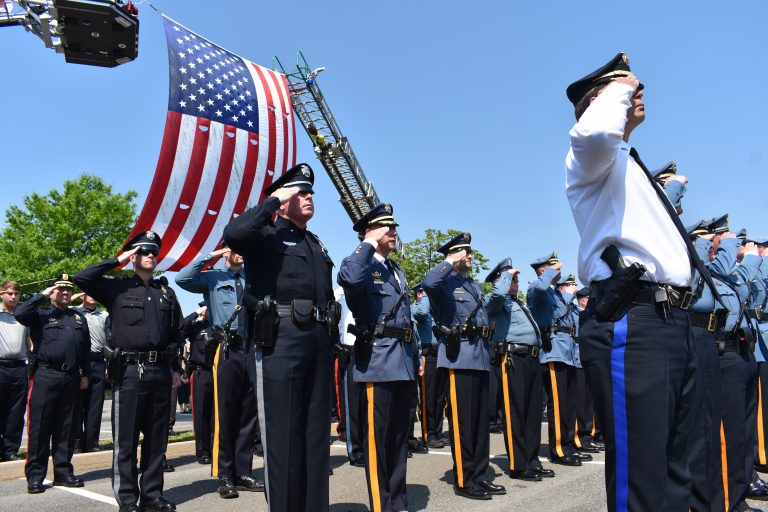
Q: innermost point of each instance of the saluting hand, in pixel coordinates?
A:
(78, 296)
(377, 233)
(285, 194)
(513, 271)
(558, 265)
(676, 177)
(220, 252)
(455, 257)
(750, 248)
(48, 291)
(124, 257)
(630, 80)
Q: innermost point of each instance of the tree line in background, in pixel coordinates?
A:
(67, 230)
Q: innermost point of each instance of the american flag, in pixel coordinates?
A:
(229, 133)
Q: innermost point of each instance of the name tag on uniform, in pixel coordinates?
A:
(289, 244)
(458, 290)
(378, 281)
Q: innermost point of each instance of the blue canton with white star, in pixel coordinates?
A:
(208, 81)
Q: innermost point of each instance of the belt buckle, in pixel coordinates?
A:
(535, 351)
(712, 323)
(64, 367)
(685, 303)
(152, 356)
(485, 332)
(407, 332)
(572, 331)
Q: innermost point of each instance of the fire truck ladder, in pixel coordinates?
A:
(330, 145)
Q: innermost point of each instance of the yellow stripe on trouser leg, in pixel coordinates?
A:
(456, 436)
(760, 432)
(594, 425)
(217, 419)
(724, 465)
(507, 415)
(556, 407)
(424, 398)
(576, 439)
(373, 467)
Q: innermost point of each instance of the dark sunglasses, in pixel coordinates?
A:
(146, 251)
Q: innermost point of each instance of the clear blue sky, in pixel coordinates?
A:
(456, 111)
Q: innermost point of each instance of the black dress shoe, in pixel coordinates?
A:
(227, 489)
(358, 463)
(493, 489)
(330, 471)
(35, 488)
(582, 456)
(762, 468)
(757, 491)
(435, 443)
(69, 481)
(259, 450)
(130, 508)
(157, 505)
(93, 449)
(473, 493)
(248, 483)
(419, 447)
(544, 473)
(588, 448)
(410, 453)
(168, 467)
(11, 457)
(598, 446)
(570, 460)
(204, 459)
(527, 474)
(496, 429)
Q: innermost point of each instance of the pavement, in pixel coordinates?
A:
(430, 480)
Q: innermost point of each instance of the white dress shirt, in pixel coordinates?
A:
(612, 200)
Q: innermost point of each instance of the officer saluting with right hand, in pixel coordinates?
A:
(146, 334)
(288, 295)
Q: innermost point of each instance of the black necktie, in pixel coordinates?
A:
(695, 261)
(530, 318)
(241, 313)
(151, 317)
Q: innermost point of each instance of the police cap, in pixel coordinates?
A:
(503, 265)
(583, 292)
(300, 176)
(549, 259)
(461, 242)
(64, 281)
(617, 67)
(698, 229)
(569, 280)
(147, 239)
(718, 225)
(670, 169)
(380, 214)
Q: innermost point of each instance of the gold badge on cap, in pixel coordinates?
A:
(625, 59)
(150, 235)
(305, 171)
(388, 208)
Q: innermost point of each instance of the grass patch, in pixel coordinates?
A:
(106, 444)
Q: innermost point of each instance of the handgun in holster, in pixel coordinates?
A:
(615, 294)
(363, 342)
(34, 362)
(452, 340)
(332, 319)
(114, 363)
(262, 327)
(211, 343)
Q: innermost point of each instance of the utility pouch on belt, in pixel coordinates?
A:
(746, 341)
(34, 362)
(363, 342)
(263, 315)
(615, 294)
(302, 312)
(114, 363)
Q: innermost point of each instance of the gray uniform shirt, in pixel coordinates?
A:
(13, 337)
(97, 320)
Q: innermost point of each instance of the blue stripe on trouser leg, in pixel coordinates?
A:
(620, 413)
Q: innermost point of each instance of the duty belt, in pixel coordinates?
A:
(484, 331)
(571, 331)
(519, 349)
(400, 333)
(727, 342)
(153, 356)
(756, 314)
(286, 310)
(12, 363)
(676, 296)
(59, 367)
(706, 321)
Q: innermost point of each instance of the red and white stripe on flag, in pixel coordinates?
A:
(228, 134)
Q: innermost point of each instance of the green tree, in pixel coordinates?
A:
(421, 254)
(64, 231)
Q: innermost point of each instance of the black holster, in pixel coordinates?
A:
(34, 362)
(262, 327)
(332, 319)
(114, 363)
(363, 342)
(452, 340)
(209, 349)
(613, 296)
(546, 339)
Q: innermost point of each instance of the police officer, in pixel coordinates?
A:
(235, 418)
(59, 369)
(761, 351)
(198, 330)
(378, 296)
(616, 203)
(584, 436)
(464, 355)
(13, 372)
(146, 328)
(518, 340)
(290, 278)
(91, 402)
(432, 390)
(553, 310)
